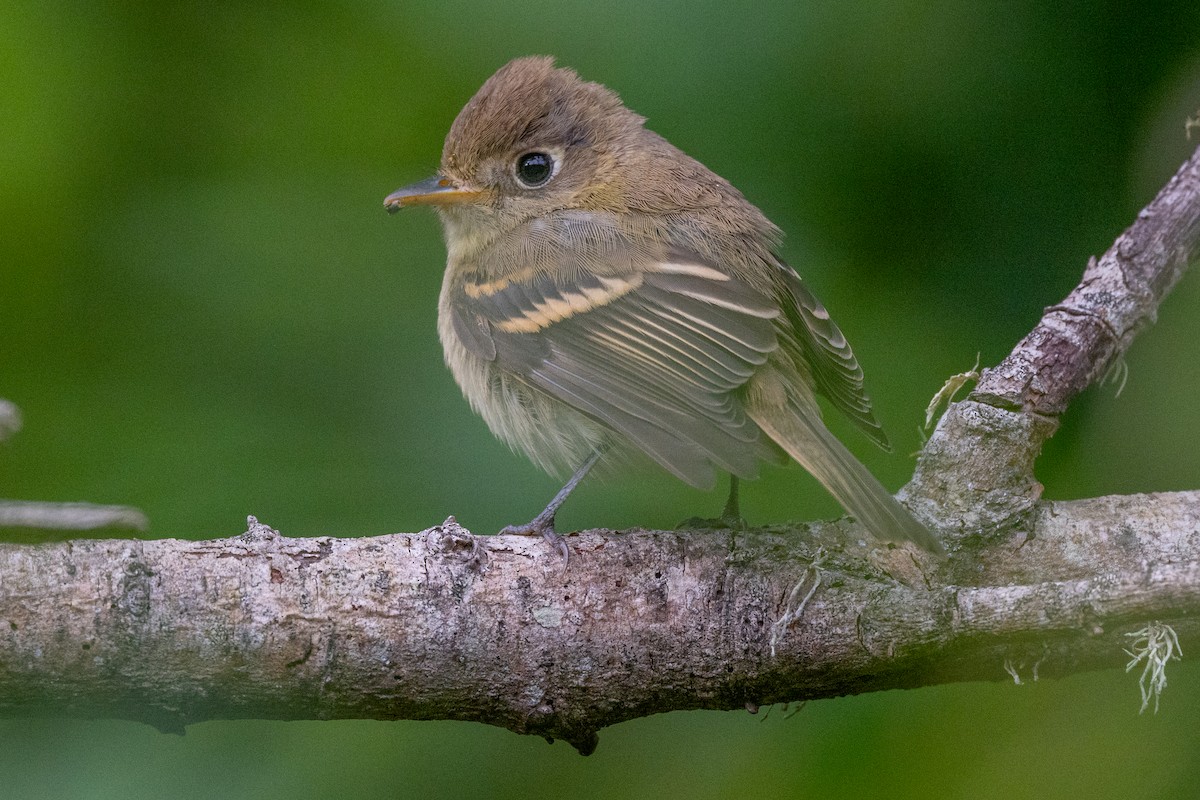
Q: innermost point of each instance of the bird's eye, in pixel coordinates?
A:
(535, 169)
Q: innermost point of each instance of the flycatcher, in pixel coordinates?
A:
(606, 294)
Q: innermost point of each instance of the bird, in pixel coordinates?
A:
(607, 295)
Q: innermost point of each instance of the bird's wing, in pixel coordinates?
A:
(835, 370)
(656, 352)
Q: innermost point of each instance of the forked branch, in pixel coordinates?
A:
(445, 625)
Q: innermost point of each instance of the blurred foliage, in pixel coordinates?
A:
(205, 312)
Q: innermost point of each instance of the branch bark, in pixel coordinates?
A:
(409, 626)
(446, 625)
(975, 478)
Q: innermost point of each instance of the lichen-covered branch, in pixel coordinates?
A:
(1079, 338)
(417, 626)
(975, 475)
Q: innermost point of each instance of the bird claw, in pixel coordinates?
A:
(721, 523)
(545, 529)
(559, 542)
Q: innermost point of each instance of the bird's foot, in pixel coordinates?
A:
(725, 522)
(542, 526)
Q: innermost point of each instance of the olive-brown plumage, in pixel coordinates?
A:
(605, 294)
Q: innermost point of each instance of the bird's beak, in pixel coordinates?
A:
(435, 191)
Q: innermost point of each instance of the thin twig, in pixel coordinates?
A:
(70, 516)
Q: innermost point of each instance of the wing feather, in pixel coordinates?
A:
(835, 370)
(658, 355)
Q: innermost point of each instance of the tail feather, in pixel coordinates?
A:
(806, 439)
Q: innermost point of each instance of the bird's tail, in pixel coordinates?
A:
(805, 438)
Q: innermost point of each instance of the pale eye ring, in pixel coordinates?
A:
(535, 169)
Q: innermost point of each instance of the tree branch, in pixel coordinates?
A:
(446, 625)
(408, 626)
(974, 478)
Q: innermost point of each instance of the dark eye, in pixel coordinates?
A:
(534, 169)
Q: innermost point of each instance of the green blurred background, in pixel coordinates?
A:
(205, 312)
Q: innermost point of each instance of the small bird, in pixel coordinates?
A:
(605, 294)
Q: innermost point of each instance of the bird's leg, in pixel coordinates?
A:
(543, 523)
(730, 518)
(732, 513)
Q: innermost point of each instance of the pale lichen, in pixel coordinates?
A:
(1118, 373)
(945, 395)
(793, 610)
(1155, 644)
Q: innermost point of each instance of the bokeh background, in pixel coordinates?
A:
(205, 312)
